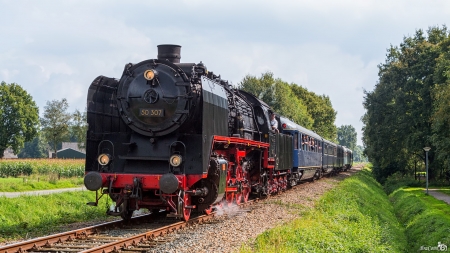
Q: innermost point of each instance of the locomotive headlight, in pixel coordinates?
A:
(150, 74)
(175, 160)
(104, 159)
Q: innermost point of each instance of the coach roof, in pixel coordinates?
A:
(293, 126)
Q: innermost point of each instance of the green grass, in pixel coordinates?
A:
(43, 182)
(356, 216)
(31, 216)
(445, 190)
(426, 219)
(397, 180)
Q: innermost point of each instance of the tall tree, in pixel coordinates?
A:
(347, 136)
(398, 121)
(19, 117)
(320, 109)
(278, 95)
(441, 107)
(79, 128)
(55, 123)
(37, 148)
(358, 155)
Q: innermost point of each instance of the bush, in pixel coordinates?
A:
(397, 181)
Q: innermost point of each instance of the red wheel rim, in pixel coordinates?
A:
(186, 211)
(238, 198)
(230, 197)
(245, 194)
(208, 211)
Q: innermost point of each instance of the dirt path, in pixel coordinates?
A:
(41, 192)
(439, 195)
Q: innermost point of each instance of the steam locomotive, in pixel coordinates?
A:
(175, 136)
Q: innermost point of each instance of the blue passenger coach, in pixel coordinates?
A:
(314, 156)
(308, 148)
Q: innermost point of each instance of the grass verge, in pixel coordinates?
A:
(31, 216)
(34, 183)
(426, 219)
(356, 216)
(445, 190)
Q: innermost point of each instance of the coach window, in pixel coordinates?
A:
(307, 143)
(303, 141)
(296, 140)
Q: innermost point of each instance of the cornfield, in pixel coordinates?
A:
(62, 167)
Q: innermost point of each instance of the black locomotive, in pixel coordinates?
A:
(175, 136)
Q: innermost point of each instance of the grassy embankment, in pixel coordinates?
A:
(426, 219)
(31, 216)
(356, 216)
(34, 184)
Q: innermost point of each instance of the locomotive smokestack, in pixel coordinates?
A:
(170, 53)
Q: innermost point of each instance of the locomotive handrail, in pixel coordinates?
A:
(240, 141)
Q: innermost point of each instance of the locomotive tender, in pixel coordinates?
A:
(175, 136)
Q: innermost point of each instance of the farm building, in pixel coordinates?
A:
(9, 153)
(70, 150)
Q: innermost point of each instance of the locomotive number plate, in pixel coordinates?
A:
(151, 112)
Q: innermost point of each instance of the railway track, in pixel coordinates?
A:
(139, 234)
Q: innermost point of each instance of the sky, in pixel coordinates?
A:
(55, 49)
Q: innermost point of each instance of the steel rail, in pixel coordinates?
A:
(139, 241)
(136, 240)
(61, 237)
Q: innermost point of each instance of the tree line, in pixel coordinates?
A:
(31, 136)
(304, 107)
(409, 107)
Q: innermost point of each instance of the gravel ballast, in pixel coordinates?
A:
(227, 232)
